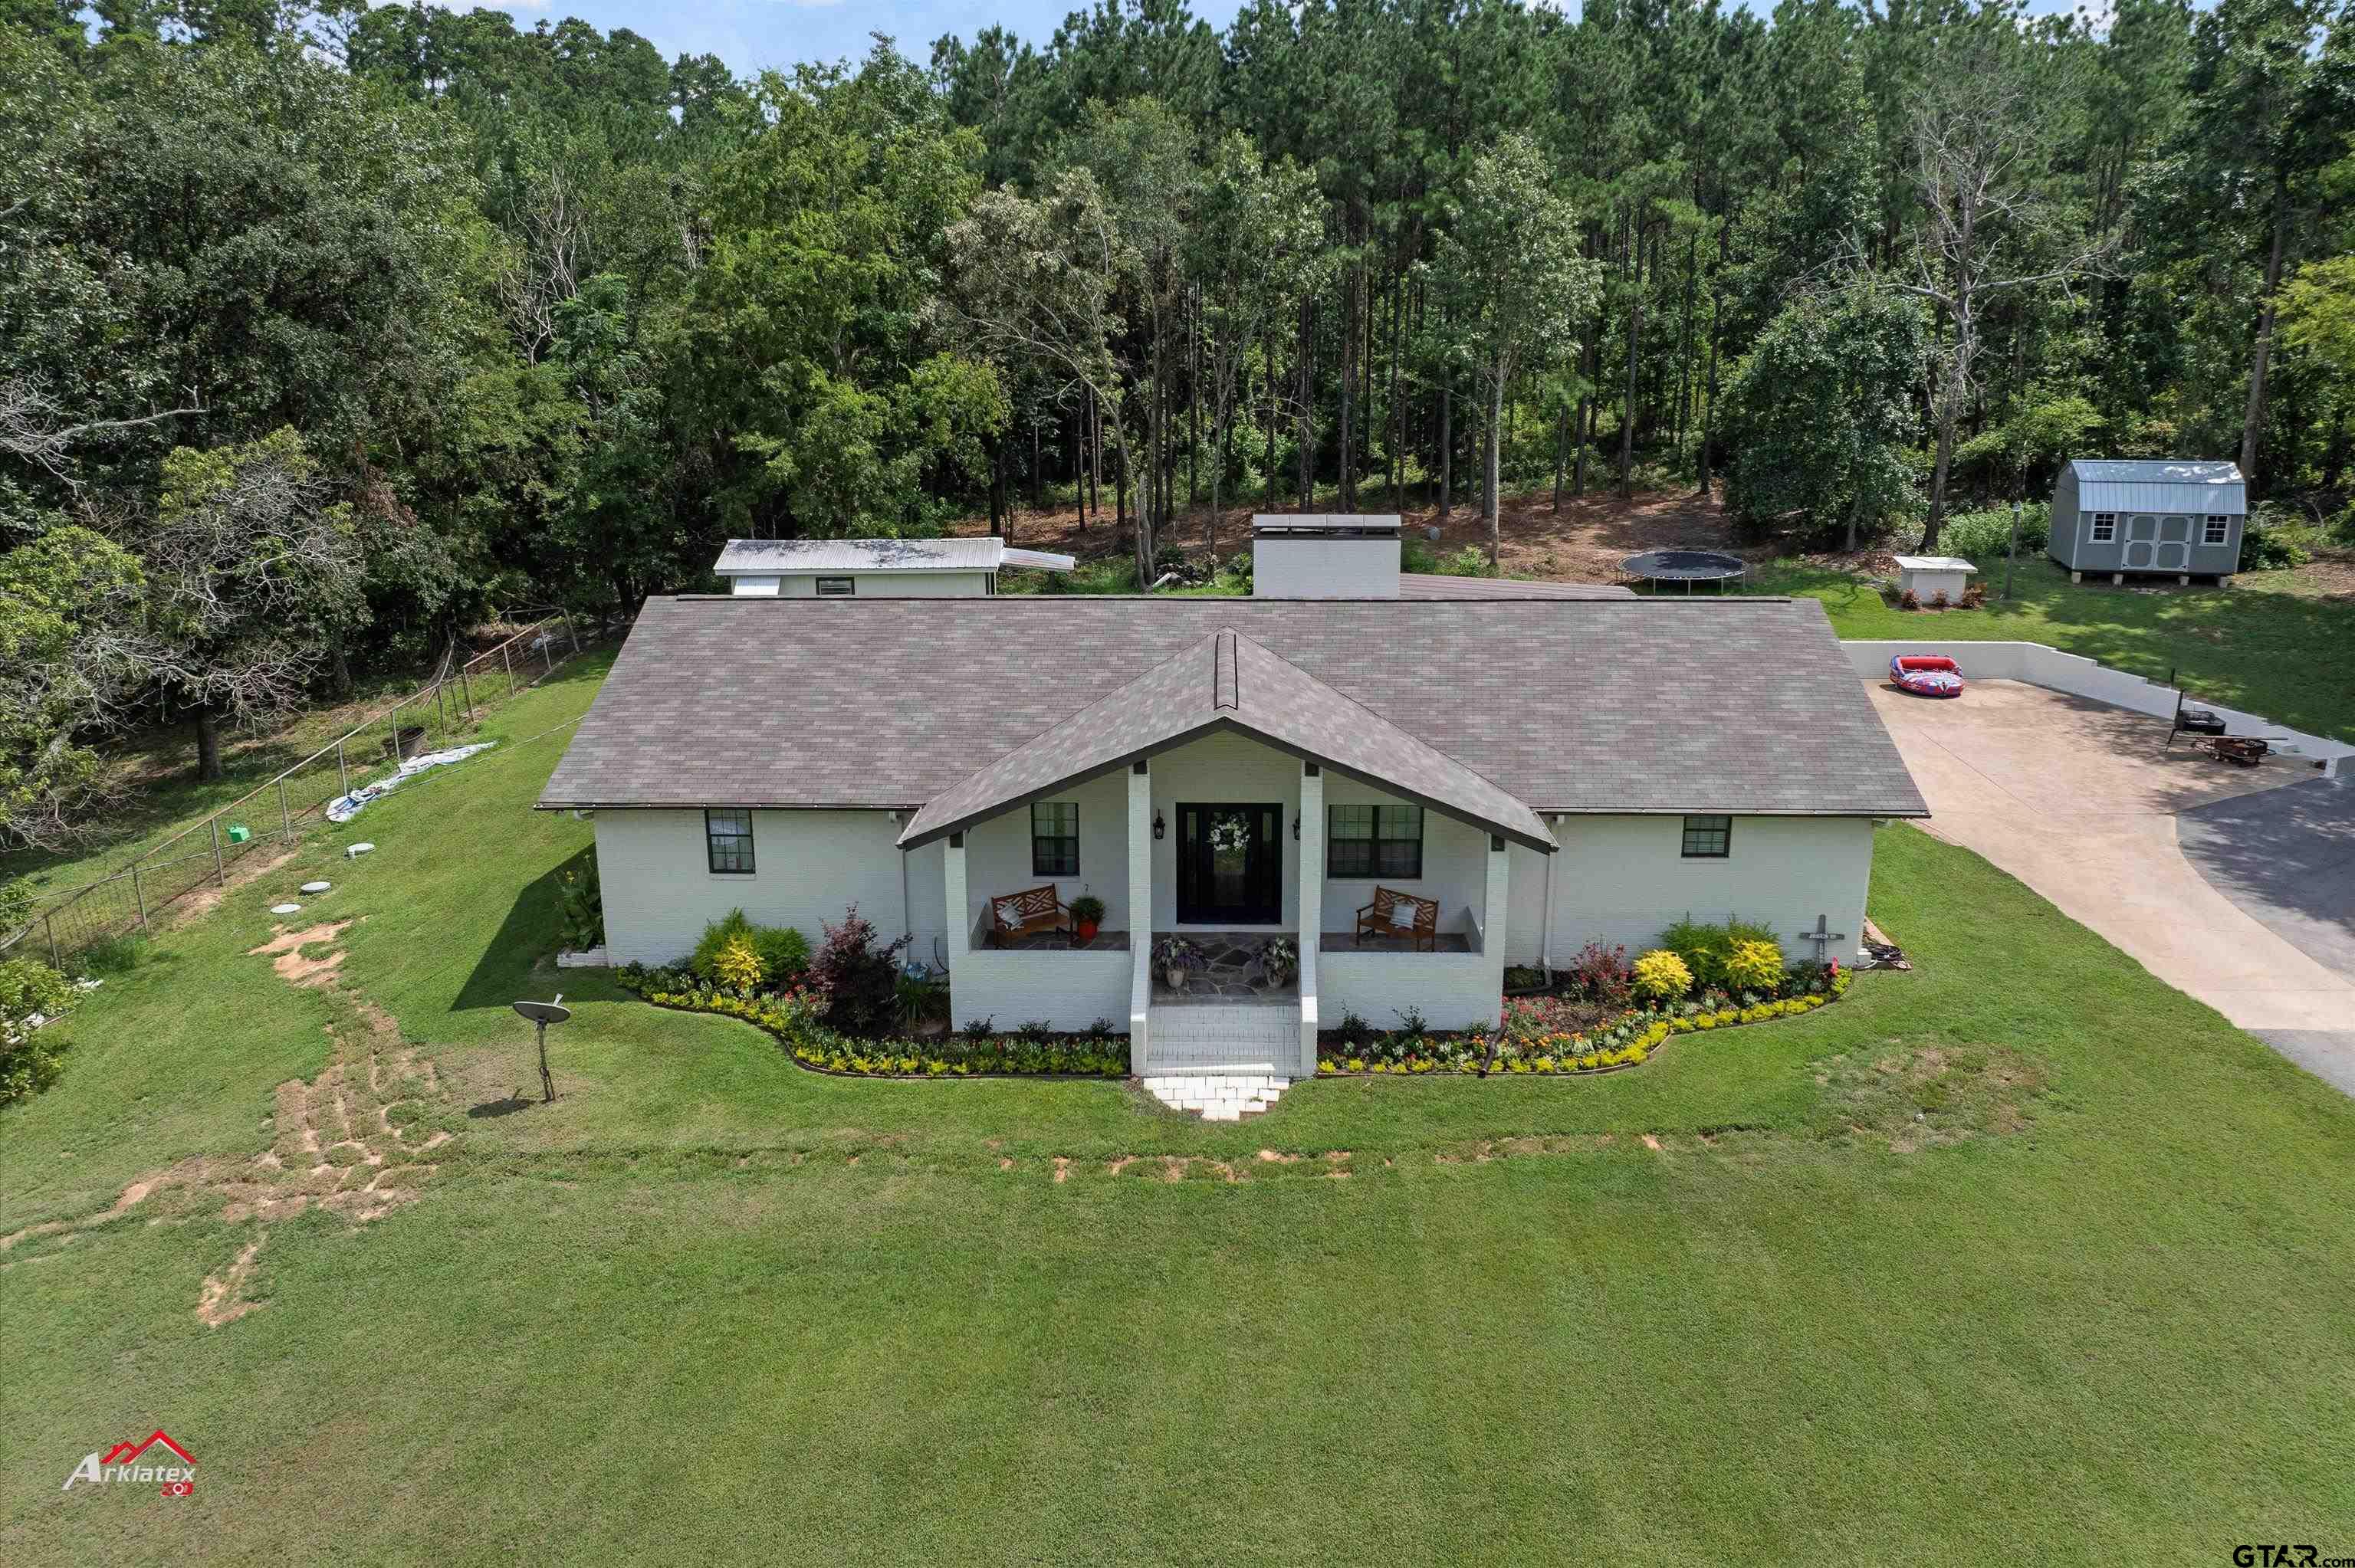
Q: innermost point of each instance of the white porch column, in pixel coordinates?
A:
(1312, 906)
(960, 917)
(1140, 912)
(1492, 922)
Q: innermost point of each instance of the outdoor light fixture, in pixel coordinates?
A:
(1160, 828)
(1296, 827)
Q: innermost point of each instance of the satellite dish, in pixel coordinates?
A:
(542, 1014)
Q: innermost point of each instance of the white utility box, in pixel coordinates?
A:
(1927, 576)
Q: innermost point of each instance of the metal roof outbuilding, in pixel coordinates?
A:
(2158, 484)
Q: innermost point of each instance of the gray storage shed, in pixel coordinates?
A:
(2148, 515)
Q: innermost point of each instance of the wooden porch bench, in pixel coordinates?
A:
(1381, 918)
(1019, 913)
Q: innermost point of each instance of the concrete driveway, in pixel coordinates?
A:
(2079, 801)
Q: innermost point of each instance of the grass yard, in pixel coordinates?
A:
(2259, 645)
(2023, 1254)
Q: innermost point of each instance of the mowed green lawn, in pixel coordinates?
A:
(2095, 1302)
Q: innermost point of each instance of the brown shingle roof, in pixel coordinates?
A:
(1431, 585)
(1226, 682)
(1737, 705)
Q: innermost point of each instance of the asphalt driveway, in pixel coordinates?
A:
(2237, 885)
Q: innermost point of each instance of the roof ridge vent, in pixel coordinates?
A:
(1226, 676)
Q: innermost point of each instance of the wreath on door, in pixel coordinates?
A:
(1231, 833)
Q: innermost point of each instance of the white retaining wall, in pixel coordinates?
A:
(2041, 665)
(1069, 990)
(1449, 988)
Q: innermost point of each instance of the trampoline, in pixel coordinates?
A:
(1685, 567)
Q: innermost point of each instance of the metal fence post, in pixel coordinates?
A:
(138, 895)
(507, 660)
(343, 776)
(221, 869)
(285, 817)
(49, 924)
(548, 652)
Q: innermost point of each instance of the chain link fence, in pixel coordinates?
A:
(274, 815)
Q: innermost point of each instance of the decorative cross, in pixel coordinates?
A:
(1823, 937)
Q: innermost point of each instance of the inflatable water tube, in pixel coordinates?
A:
(1926, 674)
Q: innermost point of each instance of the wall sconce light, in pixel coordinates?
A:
(1160, 828)
(1296, 827)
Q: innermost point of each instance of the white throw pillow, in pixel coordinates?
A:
(1402, 917)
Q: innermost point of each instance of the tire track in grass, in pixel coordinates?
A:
(345, 1142)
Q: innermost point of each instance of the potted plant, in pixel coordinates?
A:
(1279, 956)
(1087, 917)
(1175, 959)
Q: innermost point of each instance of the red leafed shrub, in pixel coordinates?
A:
(1599, 975)
(858, 975)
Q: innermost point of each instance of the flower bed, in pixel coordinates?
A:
(796, 1018)
(1556, 1035)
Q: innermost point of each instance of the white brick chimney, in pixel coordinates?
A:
(1336, 556)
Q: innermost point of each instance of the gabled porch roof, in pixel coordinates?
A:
(1228, 681)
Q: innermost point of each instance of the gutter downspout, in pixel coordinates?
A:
(1545, 943)
(907, 922)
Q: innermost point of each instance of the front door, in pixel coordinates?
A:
(1229, 865)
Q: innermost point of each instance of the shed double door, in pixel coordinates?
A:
(2157, 542)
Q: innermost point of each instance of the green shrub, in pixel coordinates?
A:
(784, 952)
(1982, 538)
(1705, 947)
(1471, 561)
(16, 903)
(729, 927)
(581, 908)
(2270, 549)
(1662, 975)
(28, 1055)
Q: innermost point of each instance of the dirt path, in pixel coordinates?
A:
(350, 1141)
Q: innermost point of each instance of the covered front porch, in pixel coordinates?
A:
(1197, 803)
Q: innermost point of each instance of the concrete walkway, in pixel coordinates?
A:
(2078, 800)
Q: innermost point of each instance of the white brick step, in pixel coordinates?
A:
(1217, 1096)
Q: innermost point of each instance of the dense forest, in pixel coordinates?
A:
(324, 332)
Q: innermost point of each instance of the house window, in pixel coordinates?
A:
(2105, 528)
(728, 842)
(1374, 841)
(836, 588)
(1709, 838)
(1055, 838)
(2216, 530)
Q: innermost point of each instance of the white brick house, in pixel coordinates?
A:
(1548, 770)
